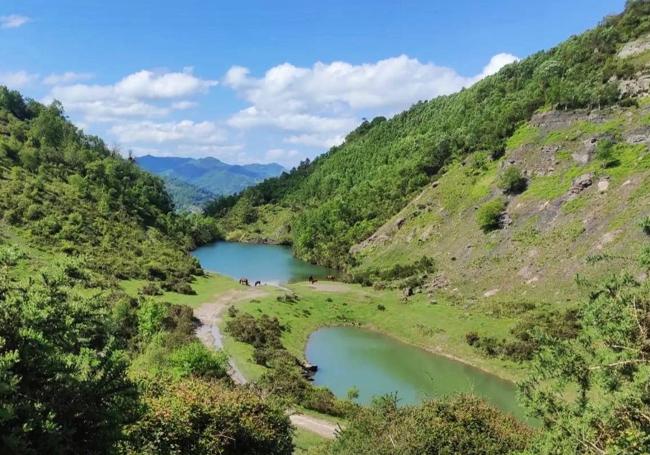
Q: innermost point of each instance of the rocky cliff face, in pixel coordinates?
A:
(579, 206)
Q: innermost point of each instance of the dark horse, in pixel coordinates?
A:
(312, 280)
(258, 283)
(244, 281)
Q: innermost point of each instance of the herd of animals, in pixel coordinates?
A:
(244, 281)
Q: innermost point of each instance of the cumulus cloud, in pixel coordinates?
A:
(13, 21)
(320, 104)
(141, 94)
(185, 131)
(17, 79)
(66, 78)
(315, 140)
(497, 62)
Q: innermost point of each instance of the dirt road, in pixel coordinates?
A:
(210, 314)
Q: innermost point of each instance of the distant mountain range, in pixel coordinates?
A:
(193, 182)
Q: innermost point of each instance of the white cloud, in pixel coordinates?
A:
(185, 131)
(497, 62)
(17, 79)
(253, 117)
(147, 84)
(183, 105)
(322, 103)
(141, 94)
(66, 78)
(13, 21)
(315, 140)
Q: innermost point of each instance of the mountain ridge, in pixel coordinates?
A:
(207, 174)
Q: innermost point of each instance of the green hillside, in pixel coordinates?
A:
(345, 195)
(192, 182)
(88, 363)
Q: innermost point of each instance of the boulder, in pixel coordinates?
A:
(583, 182)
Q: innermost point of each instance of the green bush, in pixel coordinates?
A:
(511, 181)
(605, 153)
(194, 359)
(204, 417)
(645, 225)
(460, 425)
(490, 214)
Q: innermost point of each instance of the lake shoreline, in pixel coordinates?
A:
(374, 329)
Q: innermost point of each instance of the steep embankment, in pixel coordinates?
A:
(588, 177)
(325, 207)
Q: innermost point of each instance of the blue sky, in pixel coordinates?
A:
(260, 81)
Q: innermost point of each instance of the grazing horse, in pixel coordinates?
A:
(244, 281)
(312, 280)
(258, 283)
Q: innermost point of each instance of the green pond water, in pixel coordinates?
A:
(351, 357)
(376, 365)
(270, 264)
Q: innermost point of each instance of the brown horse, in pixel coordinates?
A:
(244, 281)
(312, 280)
(331, 277)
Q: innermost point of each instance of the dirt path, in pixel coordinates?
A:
(210, 314)
(321, 427)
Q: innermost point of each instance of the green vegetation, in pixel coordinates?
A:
(69, 193)
(490, 215)
(591, 390)
(438, 325)
(459, 425)
(511, 181)
(200, 417)
(192, 183)
(343, 196)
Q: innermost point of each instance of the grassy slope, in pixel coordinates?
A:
(438, 326)
(206, 288)
(528, 260)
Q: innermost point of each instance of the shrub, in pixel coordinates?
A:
(511, 181)
(262, 332)
(150, 289)
(472, 338)
(645, 225)
(381, 307)
(489, 215)
(194, 359)
(462, 425)
(605, 153)
(203, 417)
(151, 316)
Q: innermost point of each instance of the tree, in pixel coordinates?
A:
(592, 392)
(63, 385)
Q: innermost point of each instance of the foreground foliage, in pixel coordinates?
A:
(202, 417)
(460, 425)
(593, 392)
(63, 382)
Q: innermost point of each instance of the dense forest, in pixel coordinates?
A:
(344, 195)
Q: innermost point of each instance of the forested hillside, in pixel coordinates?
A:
(345, 195)
(64, 190)
(194, 182)
(86, 367)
